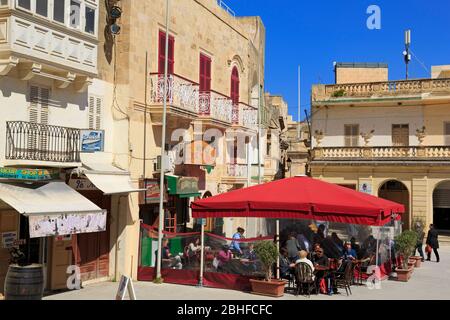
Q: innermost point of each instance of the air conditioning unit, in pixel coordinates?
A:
(157, 164)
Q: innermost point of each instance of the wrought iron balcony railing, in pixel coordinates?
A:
(33, 141)
(215, 105)
(422, 153)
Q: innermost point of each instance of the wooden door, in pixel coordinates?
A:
(91, 250)
(400, 135)
(61, 258)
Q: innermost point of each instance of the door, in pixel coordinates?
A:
(400, 135)
(61, 259)
(91, 250)
(205, 83)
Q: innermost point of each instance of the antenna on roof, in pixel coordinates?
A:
(406, 53)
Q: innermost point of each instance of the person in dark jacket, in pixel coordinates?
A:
(432, 241)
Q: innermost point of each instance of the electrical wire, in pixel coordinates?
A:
(420, 62)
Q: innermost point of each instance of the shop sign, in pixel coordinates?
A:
(9, 239)
(92, 140)
(381, 233)
(82, 184)
(124, 284)
(152, 192)
(29, 174)
(365, 188)
(65, 224)
(186, 185)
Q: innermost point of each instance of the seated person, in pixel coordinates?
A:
(235, 244)
(320, 260)
(250, 257)
(285, 265)
(223, 257)
(355, 246)
(349, 252)
(304, 259)
(174, 262)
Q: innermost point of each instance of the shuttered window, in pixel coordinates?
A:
(162, 53)
(95, 112)
(205, 73)
(234, 86)
(351, 135)
(38, 113)
(400, 135)
(447, 133)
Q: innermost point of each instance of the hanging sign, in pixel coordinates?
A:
(92, 140)
(124, 284)
(365, 188)
(9, 239)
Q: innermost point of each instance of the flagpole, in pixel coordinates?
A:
(299, 106)
(163, 150)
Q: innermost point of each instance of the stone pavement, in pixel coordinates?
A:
(430, 282)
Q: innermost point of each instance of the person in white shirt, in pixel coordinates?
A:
(303, 258)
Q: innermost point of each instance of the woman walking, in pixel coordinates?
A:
(432, 241)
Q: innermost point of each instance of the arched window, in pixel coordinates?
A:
(235, 86)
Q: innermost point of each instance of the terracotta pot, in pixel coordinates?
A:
(404, 274)
(418, 261)
(274, 288)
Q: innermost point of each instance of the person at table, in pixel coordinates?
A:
(304, 259)
(174, 261)
(349, 252)
(320, 262)
(235, 246)
(224, 256)
(355, 246)
(433, 242)
(250, 253)
(286, 267)
(293, 247)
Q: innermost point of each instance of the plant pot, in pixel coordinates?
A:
(418, 261)
(274, 288)
(404, 275)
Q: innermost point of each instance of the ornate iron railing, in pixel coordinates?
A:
(215, 105)
(382, 153)
(33, 141)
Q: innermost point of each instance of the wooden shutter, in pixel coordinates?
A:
(351, 135)
(400, 135)
(44, 98)
(447, 133)
(205, 73)
(95, 113)
(162, 52)
(91, 114)
(235, 86)
(34, 104)
(98, 113)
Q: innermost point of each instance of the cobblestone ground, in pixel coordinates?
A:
(430, 282)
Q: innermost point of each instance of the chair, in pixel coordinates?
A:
(345, 279)
(304, 277)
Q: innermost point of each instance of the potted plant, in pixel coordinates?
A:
(405, 244)
(267, 253)
(418, 224)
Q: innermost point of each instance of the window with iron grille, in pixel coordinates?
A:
(351, 135)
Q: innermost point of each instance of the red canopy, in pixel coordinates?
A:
(300, 198)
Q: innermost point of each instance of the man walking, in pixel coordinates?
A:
(432, 241)
(420, 237)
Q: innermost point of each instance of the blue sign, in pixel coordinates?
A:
(92, 140)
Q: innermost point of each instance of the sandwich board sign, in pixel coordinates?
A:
(124, 284)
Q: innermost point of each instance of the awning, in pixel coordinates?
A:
(183, 187)
(53, 208)
(109, 179)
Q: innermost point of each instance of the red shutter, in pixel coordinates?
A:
(235, 86)
(162, 52)
(205, 73)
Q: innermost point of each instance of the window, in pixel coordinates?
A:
(90, 20)
(38, 113)
(400, 135)
(234, 95)
(42, 7)
(95, 112)
(58, 11)
(162, 53)
(269, 144)
(351, 133)
(447, 133)
(25, 4)
(205, 73)
(75, 14)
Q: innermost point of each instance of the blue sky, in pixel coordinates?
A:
(314, 34)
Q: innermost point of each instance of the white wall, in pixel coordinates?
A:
(331, 122)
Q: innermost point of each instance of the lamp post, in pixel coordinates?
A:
(163, 149)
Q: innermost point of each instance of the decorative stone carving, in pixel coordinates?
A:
(367, 137)
(7, 65)
(421, 134)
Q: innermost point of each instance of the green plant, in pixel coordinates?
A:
(267, 252)
(405, 243)
(339, 93)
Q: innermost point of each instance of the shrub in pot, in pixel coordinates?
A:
(405, 245)
(267, 253)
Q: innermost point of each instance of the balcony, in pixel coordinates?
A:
(244, 115)
(182, 97)
(400, 154)
(36, 142)
(380, 89)
(215, 107)
(34, 44)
